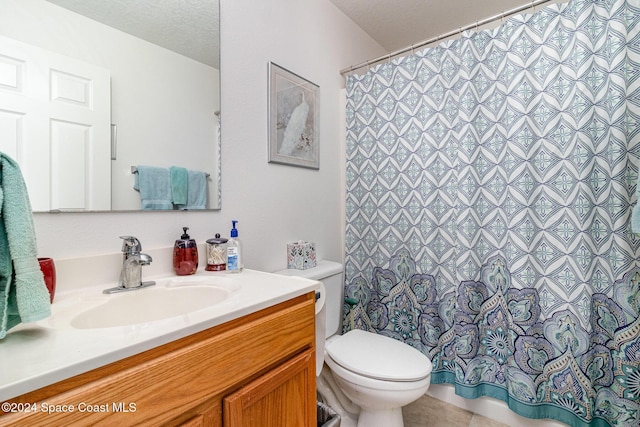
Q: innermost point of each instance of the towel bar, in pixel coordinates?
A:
(135, 170)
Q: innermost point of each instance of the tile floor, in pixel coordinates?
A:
(430, 412)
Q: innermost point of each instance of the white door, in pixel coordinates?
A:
(55, 121)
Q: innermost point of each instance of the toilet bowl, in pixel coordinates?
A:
(379, 374)
(372, 376)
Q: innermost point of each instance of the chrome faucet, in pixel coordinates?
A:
(132, 262)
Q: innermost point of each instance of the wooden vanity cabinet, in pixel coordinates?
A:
(258, 370)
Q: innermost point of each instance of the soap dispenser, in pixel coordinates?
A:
(185, 255)
(234, 251)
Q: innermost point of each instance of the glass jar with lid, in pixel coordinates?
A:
(216, 253)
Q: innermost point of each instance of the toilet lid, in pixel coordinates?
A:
(377, 356)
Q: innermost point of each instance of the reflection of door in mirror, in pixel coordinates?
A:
(55, 116)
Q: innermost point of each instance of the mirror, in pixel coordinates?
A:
(160, 62)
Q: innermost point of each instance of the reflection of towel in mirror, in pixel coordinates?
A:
(197, 198)
(179, 185)
(23, 294)
(154, 187)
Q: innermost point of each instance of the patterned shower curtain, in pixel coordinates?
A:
(490, 182)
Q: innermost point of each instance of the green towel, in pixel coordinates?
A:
(179, 179)
(23, 295)
(154, 187)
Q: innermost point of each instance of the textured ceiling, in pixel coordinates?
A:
(396, 24)
(189, 27)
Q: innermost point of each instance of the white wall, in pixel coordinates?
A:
(274, 203)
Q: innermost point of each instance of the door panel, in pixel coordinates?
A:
(55, 116)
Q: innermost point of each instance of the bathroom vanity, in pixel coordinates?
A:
(253, 366)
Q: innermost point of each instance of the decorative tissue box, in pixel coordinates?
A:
(301, 255)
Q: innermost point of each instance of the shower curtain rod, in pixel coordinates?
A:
(477, 24)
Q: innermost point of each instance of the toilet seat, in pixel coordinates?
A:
(378, 357)
(372, 385)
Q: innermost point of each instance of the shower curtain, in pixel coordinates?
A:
(490, 183)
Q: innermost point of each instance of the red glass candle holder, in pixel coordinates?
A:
(48, 268)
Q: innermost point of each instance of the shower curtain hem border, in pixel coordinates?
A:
(538, 411)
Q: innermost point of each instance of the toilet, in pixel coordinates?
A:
(367, 378)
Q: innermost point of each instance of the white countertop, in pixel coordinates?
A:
(40, 354)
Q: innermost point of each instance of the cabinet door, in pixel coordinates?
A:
(208, 415)
(284, 397)
(198, 421)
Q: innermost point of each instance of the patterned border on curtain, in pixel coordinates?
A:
(490, 182)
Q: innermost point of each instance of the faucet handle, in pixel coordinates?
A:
(130, 244)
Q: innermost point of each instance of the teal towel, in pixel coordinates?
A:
(154, 187)
(197, 190)
(179, 178)
(23, 295)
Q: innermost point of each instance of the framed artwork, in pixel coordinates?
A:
(293, 119)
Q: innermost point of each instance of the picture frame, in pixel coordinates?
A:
(294, 104)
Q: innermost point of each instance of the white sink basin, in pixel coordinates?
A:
(168, 298)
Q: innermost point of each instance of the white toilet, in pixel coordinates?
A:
(377, 374)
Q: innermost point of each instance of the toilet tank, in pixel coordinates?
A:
(330, 274)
